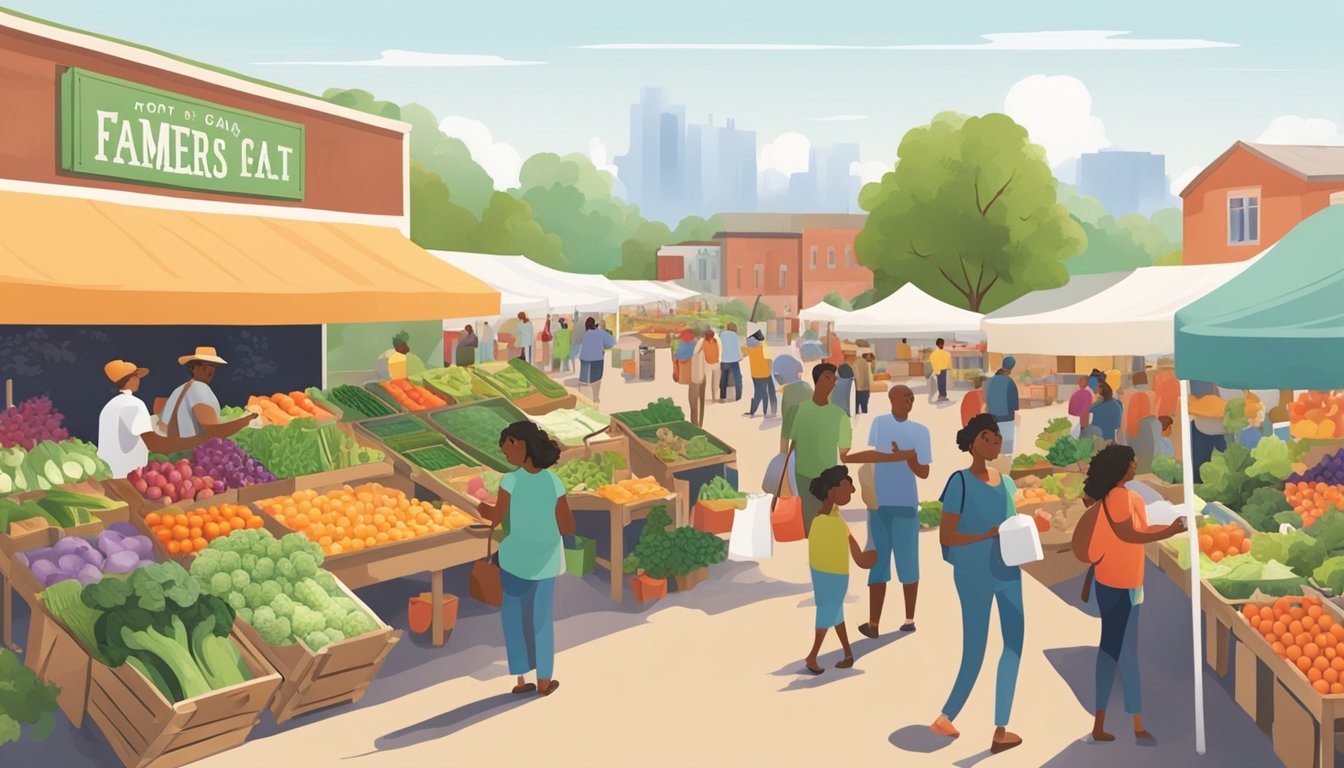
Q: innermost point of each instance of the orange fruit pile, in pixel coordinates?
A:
(1317, 416)
(412, 397)
(1306, 634)
(184, 533)
(1219, 541)
(352, 519)
(1311, 500)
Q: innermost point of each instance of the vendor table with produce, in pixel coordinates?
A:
(676, 453)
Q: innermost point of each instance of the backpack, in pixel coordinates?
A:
(1082, 542)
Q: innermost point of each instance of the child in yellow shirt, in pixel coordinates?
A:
(829, 548)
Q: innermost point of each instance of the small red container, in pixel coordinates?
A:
(648, 589)
(420, 612)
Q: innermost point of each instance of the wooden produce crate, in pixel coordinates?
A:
(502, 407)
(376, 389)
(610, 439)
(55, 656)
(148, 731)
(17, 576)
(1040, 470)
(399, 460)
(644, 462)
(340, 673)
(123, 490)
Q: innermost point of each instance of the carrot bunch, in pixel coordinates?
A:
(1303, 632)
(280, 409)
(1311, 500)
(412, 397)
(187, 532)
(1219, 541)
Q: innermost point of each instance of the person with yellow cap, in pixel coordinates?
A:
(125, 433)
(192, 410)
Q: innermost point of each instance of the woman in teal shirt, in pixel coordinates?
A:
(975, 502)
(532, 500)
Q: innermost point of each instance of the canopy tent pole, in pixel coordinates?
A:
(1188, 482)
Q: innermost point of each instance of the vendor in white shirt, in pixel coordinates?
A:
(125, 433)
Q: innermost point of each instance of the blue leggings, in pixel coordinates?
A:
(1119, 647)
(978, 591)
(529, 631)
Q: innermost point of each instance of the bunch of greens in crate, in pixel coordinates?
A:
(439, 457)
(357, 403)
(303, 447)
(1231, 476)
(1267, 508)
(544, 384)
(1056, 429)
(506, 379)
(1168, 469)
(580, 475)
(24, 701)
(479, 426)
(455, 381)
(60, 508)
(660, 411)
(1028, 460)
(1068, 451)
(663, 553)
(719, 489)
(404, 433)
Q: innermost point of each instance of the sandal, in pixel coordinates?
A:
(908, 626)
(845, 663)
(868, 630)
(943, 727)
(812, 669)
(551, 689)
(524, 688)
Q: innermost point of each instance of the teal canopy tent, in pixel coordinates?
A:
(1280, 323)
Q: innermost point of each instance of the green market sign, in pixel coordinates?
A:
(123, 130)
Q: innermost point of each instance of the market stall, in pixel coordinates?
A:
(909, 312)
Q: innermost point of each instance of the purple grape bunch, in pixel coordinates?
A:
(1330, 471)
(229, 465)
(31, 422)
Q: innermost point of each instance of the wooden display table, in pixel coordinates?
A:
(619, 517)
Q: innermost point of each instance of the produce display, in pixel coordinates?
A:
(663, 553)
(48, 465)
(1064, 485)
(1029, 461)
(930, 514)
(569, 426)
(676, 441)
(1303, 632)
(58, 508)
(1329, 470)
(1317, 416)
(1056, 429)
(507, 379)
(304, 447)
(660, 411)
(633, 490)
(412, 397)
(1067, 451)
(1267, 508)
(719, 489)
(438, 457)
(119, 549)
(160, 623)
(479, 427)
(580, 475)
(357, 403)
(537, 378)
(1168, 469)
(1231, 476)
(483, 486)
(280, 409)
(228, 464)
(279, 587)
(183, 533)
(1225, 540)
(454, 380)
(1036, 495)
(351, 519)
(1311, 500)
(171, 483)
(404, 433)
(1240, 576)
(28, 703)
(31, 422)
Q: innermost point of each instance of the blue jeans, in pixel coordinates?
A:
(734, 370)
(764, 394)
(1119, 647)
(529, 629)
(895, 532)
(978, 591)
(861, 400)
(942, 384)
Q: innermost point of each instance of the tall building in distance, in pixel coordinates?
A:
(652, 169)
(720, 168)
(827, 186)
(1125, 181)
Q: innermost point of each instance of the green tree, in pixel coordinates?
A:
(507, 228)
(639, 254)
(969, 215)
(836, 300)
(1114, 245)
(865, 299)
(436, 221)
(695, 228)
(1171, 222)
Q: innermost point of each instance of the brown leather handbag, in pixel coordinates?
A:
(487, 585)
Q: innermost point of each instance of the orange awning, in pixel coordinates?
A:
(70, 261)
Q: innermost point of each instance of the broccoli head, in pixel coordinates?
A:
(306, 620)
(358, 623)
(107, 594)
(305, 565)
(275, 630)
(283, 606)
(157, 584)
(220, 584)
(317, 640)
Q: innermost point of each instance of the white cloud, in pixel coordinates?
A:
(1181, 182)
(499, 159)
(1063, 40)
(839, 119)
(869, 170)
(1057, 113)
(788, 153)
(597, 152)
(415, 59)
(1291, 129)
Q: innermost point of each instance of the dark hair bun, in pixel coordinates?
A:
(979, 423)
(821, 487)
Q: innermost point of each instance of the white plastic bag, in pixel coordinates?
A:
(933, 388)
(1019, 541)
(752, 538)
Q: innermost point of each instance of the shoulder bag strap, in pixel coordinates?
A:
(783, 475)
(173, 428)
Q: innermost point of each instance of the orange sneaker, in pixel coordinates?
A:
(943, 727)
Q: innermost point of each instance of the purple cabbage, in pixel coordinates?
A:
(229, 465)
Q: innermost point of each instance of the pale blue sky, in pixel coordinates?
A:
(1189, 103)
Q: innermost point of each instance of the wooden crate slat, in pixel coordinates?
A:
(200, 750)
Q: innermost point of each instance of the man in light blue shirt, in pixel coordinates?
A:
(730, 362)
(902, 453)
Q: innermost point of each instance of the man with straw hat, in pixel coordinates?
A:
(192, 410)
(125, 433)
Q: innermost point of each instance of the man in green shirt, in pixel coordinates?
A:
(821, 438)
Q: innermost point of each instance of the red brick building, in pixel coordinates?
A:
(791, 260)
(1252, 195)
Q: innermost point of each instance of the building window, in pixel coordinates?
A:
(1243, 218)
(783, 276)
(757, 276)
(814, 256)
(739, 278)
(849, 257)
(830, 257)
(703, 268)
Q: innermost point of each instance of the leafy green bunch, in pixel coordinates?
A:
(1067, 451)
(1231, 476)
(24, 700)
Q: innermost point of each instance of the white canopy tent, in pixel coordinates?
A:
(1133, 316)
(530, 279)
(907, 312)
(654, 291)
(821, 312)
(514, 296)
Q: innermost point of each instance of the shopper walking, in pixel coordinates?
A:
(1080, 403)
(863, 381)
(532, 499)
(844, 386)
(524, 337)
(759, 365)
(1117, 549)
(830, 545)
(596, 341)
(699, 378)
(975, 501)
(713, 354)
(821, 435)
(1107, 413)
(564, 338)
(901, 454)
(788, 373)
(1001, 402)
(941, 362)
(730, 362)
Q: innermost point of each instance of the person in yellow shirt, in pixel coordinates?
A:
(903, 351)
(399, 362)
(830, 545)
(759, 366)
(941, 360)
